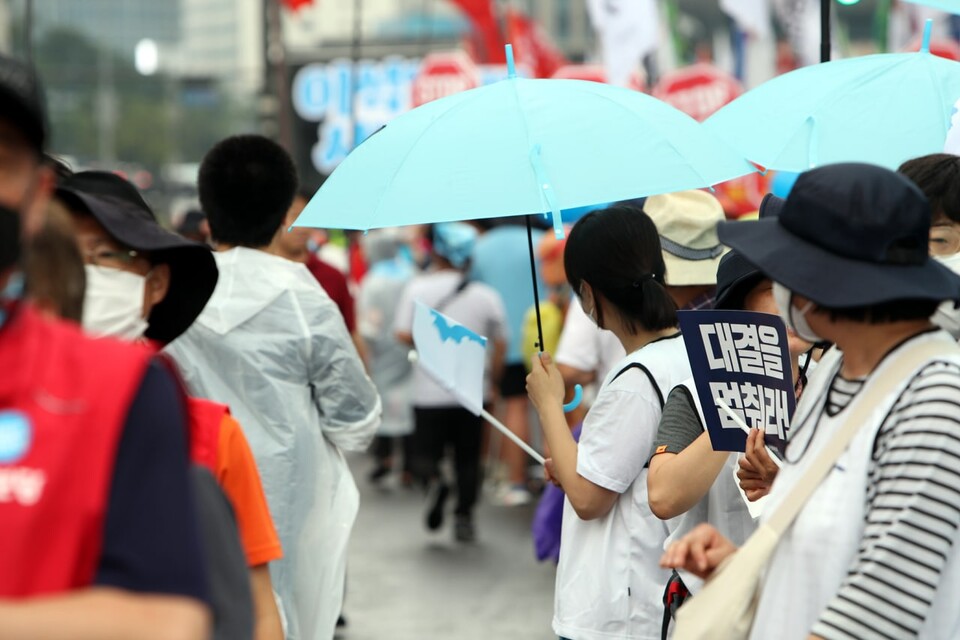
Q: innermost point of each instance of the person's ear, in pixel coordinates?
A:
(156, 287)
(45, 181)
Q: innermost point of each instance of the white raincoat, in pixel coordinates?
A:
(272, 345)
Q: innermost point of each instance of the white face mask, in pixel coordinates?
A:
(795, 320)
(592, 314)
(946, 316)
(951, 262)
(113, 303)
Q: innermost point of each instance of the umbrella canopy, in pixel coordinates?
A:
(950, 6)
(882, 109)
(520, 146)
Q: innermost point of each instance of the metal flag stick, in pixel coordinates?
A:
(499, 426)
(743, 426)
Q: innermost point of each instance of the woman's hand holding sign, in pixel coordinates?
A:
(757, 469)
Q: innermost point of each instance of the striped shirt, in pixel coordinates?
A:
(913, 510)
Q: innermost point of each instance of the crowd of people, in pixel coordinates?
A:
(175, 407)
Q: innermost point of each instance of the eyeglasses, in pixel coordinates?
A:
(108, 258)
(944, 239)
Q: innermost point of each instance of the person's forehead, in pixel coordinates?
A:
(90, 231)
(944, 223)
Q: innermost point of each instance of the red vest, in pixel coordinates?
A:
(64, 399)
(204, 417)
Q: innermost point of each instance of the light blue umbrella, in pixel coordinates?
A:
(520, 147)
(883, 109)
(517, 147)
(950, 6)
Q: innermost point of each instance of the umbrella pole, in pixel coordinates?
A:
(825, 30)
(536, 287)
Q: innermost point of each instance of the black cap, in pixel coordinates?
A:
(735, 275)
(850, 235)
(21, 101)
(118, 206)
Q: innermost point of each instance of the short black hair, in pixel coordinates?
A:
(305, 192)
(938, 176)
(886, 312)
(246, 186)
(617, 252)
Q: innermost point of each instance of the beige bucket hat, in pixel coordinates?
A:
(687, 222)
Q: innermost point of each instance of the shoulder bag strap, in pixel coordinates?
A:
(893, 372)
(453, 295)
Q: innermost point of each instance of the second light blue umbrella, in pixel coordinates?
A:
(516, 147)
(950, 6)
(882, 109)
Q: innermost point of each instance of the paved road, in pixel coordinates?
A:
(408, 584)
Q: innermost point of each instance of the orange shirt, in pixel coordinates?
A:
(238, 477)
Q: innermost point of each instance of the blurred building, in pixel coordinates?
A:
(118, 24)
(412, 27)
(222, 39)
(6, 33)
(566, 21)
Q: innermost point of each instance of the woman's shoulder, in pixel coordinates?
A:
(663, 362)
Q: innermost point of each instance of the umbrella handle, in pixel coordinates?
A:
(577, 399)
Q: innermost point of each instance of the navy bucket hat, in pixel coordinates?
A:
(849, 235)
(121, 210)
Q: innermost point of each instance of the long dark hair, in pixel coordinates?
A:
(617, 252)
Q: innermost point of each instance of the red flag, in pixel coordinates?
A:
(531, 46)
(295, 5)
(485, 25)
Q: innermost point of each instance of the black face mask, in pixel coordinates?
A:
(9, 237)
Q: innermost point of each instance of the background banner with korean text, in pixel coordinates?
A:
(741, 358)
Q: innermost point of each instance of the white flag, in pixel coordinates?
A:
(628, 30)
(453, 356)
(752, 16)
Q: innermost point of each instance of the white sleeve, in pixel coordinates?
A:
(579, 343)
(618, 435)
(346, 398)
(369, 317)
(403, 322)
(498, 329)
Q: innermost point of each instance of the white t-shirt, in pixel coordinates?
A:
(477, 307)
(585, 346)
(609, 583)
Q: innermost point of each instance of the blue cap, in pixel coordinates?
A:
(454, 241)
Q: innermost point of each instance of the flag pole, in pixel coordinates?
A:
(499, 426)
(825, 30)
(356, 51)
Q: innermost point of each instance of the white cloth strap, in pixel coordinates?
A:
(893, 372)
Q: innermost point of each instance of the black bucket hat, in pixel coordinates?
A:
(118, 206)
(849, 235)
(735, 275)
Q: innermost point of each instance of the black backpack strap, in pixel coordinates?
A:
(453, 295)
(656, 387)
(653, 381)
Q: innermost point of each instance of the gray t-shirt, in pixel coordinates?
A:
(473, 304)
(680, 423)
